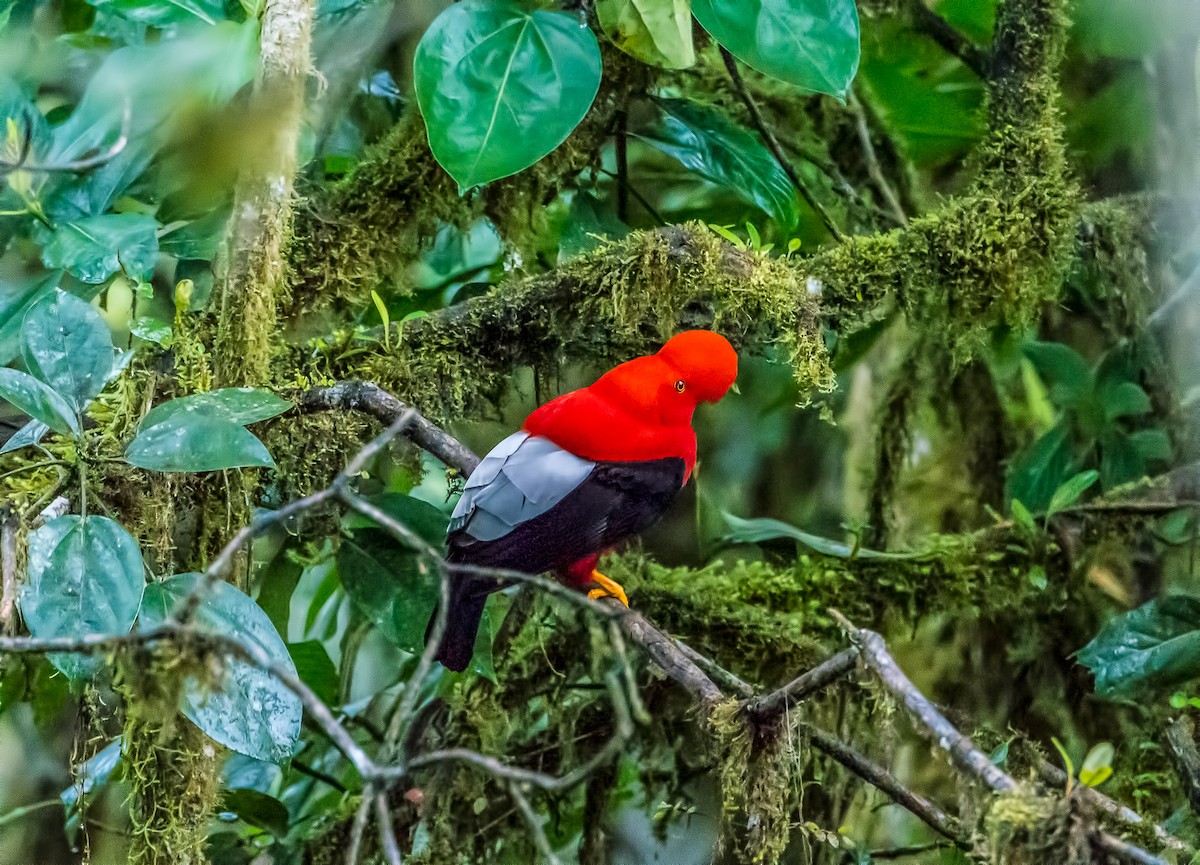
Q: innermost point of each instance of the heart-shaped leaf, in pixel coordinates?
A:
(500, 87)
(810, 43)
(66, 343)
(197, 442)
(248, 711)
(96, 247)
(38, 401)
(15, 300)
(85, 577)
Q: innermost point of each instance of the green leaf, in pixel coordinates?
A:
(1022, 517)
(240, 405)
(85, 578)
(1152, 444)
(1156, 646)
(248, 710)
(257, 809)
(316, 669)
(15, 301)
(1120, 459)
(94, 778)
(756, 531)
(1068, 373)
(810, 43)
(164, 13)
(1037, 578)
(152, 330)
(198, 239)
(500, 87)
(197, 442)
(394, 587)
(1034, 476)
(30, 434)
(708, 143)
(658, 32)
(38, 401)
(1125, 399)
(66, 343)
(1097, 765)
(1069, 492)
(96, 247)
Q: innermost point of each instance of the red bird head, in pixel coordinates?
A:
(693, 367)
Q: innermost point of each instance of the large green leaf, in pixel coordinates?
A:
(1068, 374)
(500, 87)
(810, 43)
(248, 710)
(96, 247)
(1035, 475)
(85, 577)
(755, 531)
(394, 587)
(708, 143)
(1156, 646)
(38, 401)
(658, 32)
(240, 405)
(15, 300)
(67, 344)
(197, 442)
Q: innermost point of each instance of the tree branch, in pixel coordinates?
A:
(933, 25)
(803, 685)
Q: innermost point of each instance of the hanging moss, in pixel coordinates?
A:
(172, 768)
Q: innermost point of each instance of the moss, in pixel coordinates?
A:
(623, 299)
(172, 768)
(1025, 828)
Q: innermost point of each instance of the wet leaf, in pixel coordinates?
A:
(66, 343)
(1156, 646)
(38, 401)
(96, 247)
(246, 709)
(197, 442)
(85, 578)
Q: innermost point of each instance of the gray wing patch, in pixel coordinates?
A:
(520, 478)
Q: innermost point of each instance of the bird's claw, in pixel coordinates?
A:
(607, 588)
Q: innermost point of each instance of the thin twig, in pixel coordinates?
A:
(887, 783)
(773, 145)
(820, 676)
(359, 827)
(387, 833)
(872, 159)
(533, 824)
(937, 28)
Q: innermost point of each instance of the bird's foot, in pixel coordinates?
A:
(607, 588)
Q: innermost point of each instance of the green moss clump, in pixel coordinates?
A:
(1024, 828)
(173, 769)
(623, 299)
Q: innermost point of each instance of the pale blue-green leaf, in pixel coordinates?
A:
(15, 300)
(85, 579)
(67, 344)
(810, 43)
(197, 442)
(248, 711)
(30, 434)
(152, 329)
(240, 405)
(96, 247)
(38, 401)
(500, 86)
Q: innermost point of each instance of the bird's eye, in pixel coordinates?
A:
(680, 387)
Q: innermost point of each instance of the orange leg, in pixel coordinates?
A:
(607, 588)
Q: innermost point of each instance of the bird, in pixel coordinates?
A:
(587, 471)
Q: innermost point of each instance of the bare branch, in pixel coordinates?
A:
(885, 781)
(387, 834)
(937, 28)
(807, 683)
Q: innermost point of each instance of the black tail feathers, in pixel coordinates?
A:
(467, 600)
